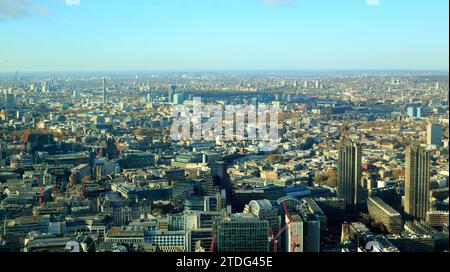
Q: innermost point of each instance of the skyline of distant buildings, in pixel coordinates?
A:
(90, 160)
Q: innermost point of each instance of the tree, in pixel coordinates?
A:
(332, 179)
(329, 178)
(320, 178)
(274, 158)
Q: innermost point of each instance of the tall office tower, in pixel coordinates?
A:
(415, 112)
(178, 98)
(317, 84)
(417, 181)
(241, 233)
(312, 237)
(172, 91)
(105, 97)
(9, 101)
(434, 135)
(219, 173)
(76, 94)
(349, 175)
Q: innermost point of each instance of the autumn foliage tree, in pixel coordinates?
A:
(329, 178)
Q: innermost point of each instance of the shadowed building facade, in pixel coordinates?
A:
(417, 181)
(349, 174)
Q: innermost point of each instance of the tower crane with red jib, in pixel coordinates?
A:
(274, 237)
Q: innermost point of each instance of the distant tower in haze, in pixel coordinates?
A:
(349, 174)
(10, 104)
(171, 93)
(178, 98)
(105, 97)
(414, 112)
(417, 181)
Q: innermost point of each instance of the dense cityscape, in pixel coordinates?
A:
(87, 163)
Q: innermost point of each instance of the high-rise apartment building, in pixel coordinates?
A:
(349, 174)
(417, 181)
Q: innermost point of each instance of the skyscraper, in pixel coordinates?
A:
(178, 99)
(219, 173)
(105, 97)
(171, 93)
(417, 181)
(317, 84)
(414, 112)
(349, 174)
(9, 102)
(434, 135)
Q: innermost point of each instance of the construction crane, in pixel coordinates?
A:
(72, 189)
(294, 242)
(213, 241)
(274, 238)
(291, 220)
(23, 143)
(41, 192)
(83, 187)
(98, 153)
(295, 237)
(41, 189)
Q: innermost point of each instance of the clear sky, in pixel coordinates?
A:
(106, 35)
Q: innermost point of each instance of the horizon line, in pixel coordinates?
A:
(267, 70)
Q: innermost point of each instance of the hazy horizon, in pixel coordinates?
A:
(306, 72)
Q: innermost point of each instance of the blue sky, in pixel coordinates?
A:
(88, 35)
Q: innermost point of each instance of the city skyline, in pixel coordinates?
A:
(250, 127)
(97, 35)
